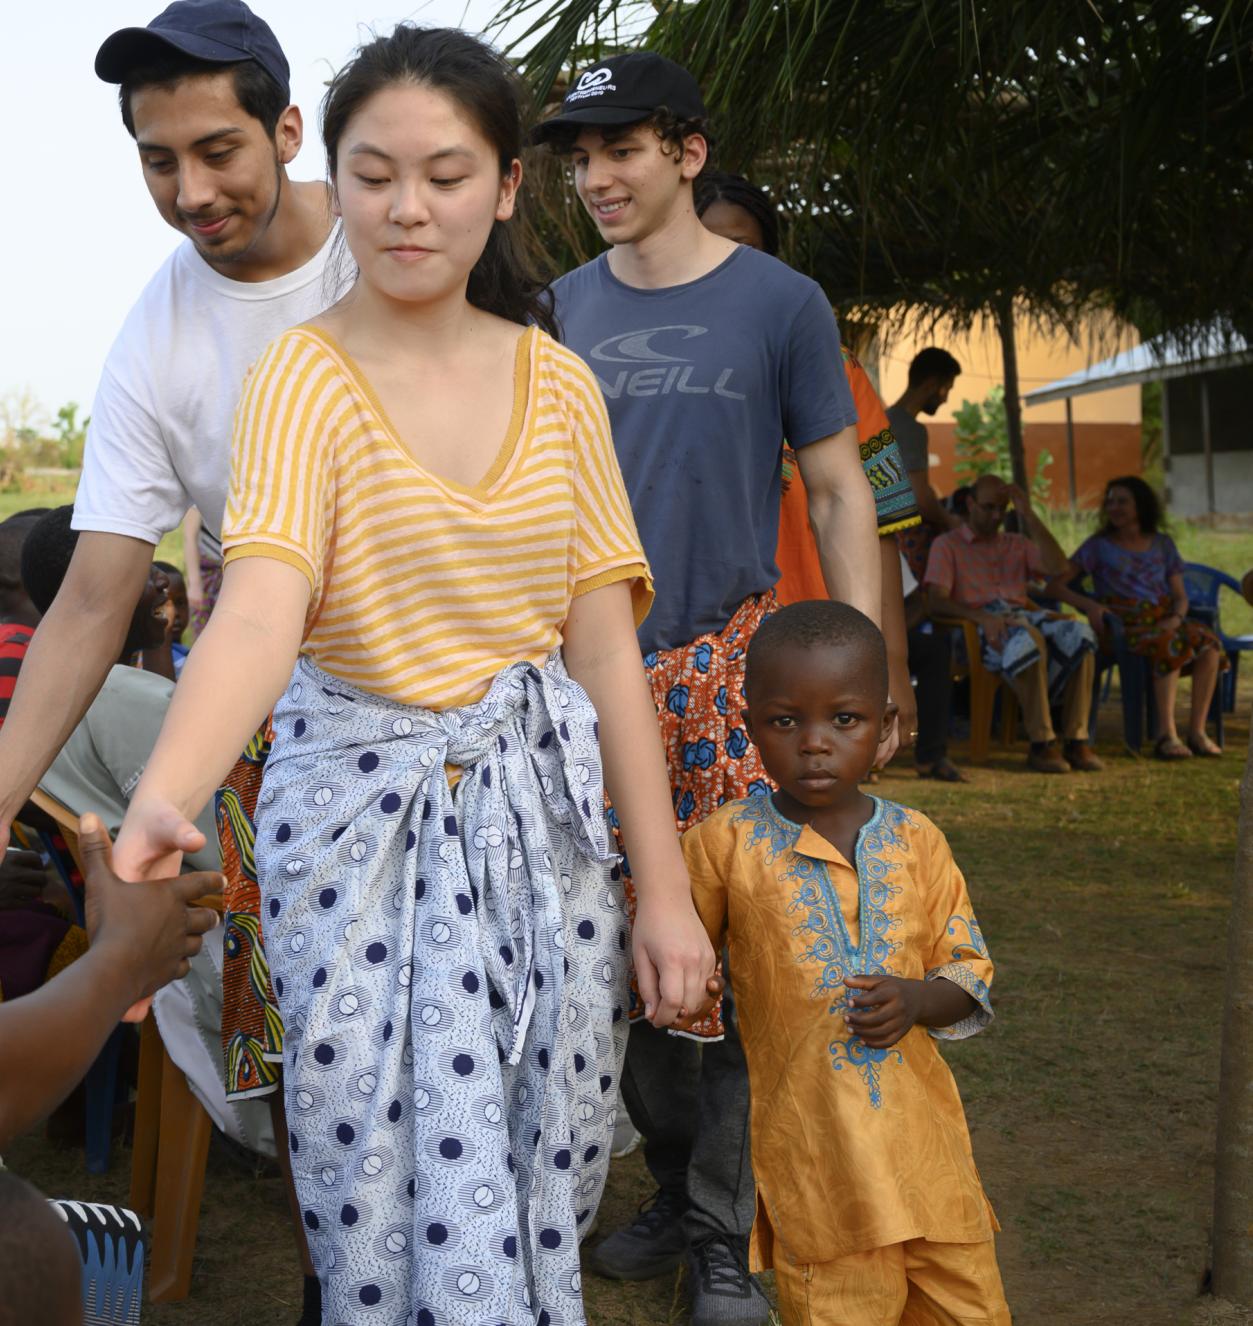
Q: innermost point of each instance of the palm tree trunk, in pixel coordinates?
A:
(1233, 1169)
(1013, 400)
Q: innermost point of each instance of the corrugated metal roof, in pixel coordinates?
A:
(1154, 361)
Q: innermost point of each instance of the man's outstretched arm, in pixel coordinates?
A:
(77, 642)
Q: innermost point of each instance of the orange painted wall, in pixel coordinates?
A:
(1103, 451)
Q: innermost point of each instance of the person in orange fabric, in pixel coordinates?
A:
(855, 949)
(736, 209)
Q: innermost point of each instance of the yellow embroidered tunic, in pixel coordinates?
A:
(853, 1148)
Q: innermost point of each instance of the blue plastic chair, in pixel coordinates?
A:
(1203, 584)
(1135, 687)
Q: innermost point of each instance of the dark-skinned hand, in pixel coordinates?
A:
(151, 926)
(883, 1008)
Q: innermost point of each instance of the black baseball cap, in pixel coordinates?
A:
(624, 90)
(220, 31)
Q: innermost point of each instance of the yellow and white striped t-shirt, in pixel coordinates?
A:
(424, 589)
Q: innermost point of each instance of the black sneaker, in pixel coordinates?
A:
(721, 1291)
(651, 1245)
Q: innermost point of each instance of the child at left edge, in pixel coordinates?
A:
(854, 948)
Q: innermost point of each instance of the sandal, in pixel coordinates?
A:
(1170, 748)
(943, 771)
(1204, 747)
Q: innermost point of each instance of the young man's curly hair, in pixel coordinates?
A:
(670, 128)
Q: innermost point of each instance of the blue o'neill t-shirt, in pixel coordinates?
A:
(703, 382)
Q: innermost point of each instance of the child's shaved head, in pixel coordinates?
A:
(41, 1274)
(821, 622)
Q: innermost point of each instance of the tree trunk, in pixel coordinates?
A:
(1233, 1168)
(1013, 400)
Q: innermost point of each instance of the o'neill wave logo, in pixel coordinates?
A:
(664, 371)
(594, 83)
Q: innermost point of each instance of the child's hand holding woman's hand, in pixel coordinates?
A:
(689, 1018)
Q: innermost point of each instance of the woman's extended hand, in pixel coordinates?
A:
(150, 846)
(674, 959)
(152, 928)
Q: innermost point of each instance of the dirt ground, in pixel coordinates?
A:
(1091, 1098)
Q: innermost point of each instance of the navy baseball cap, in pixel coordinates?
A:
(220, 31)
(626, 89)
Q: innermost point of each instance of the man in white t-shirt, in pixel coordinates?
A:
(204, 92)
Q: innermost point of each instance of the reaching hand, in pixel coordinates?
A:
(1096, 618)
(150, 846)
(1018, 495)
(674, 960)
(151, 928)
(152, 840)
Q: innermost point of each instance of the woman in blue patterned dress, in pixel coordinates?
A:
(1137, 575)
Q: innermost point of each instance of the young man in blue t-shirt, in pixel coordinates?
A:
(709, 354)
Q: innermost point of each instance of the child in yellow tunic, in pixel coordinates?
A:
(854, 948)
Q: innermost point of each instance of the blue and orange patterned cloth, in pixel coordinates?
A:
(699, 694)
(853, 1148)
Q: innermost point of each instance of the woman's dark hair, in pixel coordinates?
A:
(1147, 503)
(486, 88)
(716, 186)
(257, 93)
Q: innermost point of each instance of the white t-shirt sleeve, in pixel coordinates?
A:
(129, 484)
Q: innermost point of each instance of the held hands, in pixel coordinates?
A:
(714, 987)
(674, 960)
(150, 929)
(150, 846)
(883, 1008)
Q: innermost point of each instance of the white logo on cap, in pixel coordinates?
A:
(594, 83)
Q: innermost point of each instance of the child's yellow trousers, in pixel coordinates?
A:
(906, 1284)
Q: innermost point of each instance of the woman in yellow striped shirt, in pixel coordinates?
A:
(428, 520)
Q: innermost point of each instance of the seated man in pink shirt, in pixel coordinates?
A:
(980, 573)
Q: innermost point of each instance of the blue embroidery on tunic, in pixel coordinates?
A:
(823, 928)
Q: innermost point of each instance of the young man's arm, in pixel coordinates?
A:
(842, 514)
(930, 508)
(75, 646)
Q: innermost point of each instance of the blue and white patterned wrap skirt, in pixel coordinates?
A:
(452, 966)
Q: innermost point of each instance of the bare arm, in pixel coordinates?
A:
(191, 558)
(673, 956)
(842, 514)
(140, 939)
(1056, 562)
(930, 507)
(247, 653)
(894, 636)
(75, 646)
